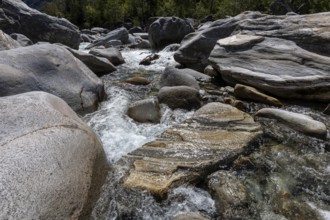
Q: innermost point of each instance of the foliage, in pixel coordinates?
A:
(110, 13)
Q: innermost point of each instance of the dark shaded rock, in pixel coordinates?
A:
(176, 77)
(147, 110)
(210, 71)
(237, 104)
(87, 38)
(21, 39)
(180, 97)
(276, 66)
(310, 32)
(134, 30)
(144, 36)
(168, 30)
(327, 110)
(7, 42)
(144, 44)
(112, 54)
(137, 81)
(117, 34)
(52, 165)
(100, 30)
(100, 66)
(148, 59)
(296, 121)
(17, 17)
(52, 69)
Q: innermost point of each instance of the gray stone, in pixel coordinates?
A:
(180, 97)
(168, 30)
(176, 77)
(7, 42)
(210, 71)
(197, 75)
(276, 66)
(100, 66)
(327, 110)
(52, 69)
(117, 34)
(21, 39)
(52, 165)
(17, 17)
(144, 44)
(147, 110)
(112, 54)
(87, 38)
(144, 36)
(134, 30)
(296, 121)
(113, 43)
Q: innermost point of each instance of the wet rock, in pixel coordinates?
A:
(17, 17)
(168, 30)
(52, 69)
(135, 30)
(112, 54)
(229, 193)
(87, 38)
(310, 32)
(248, 92)
(144, 44)
(180, 97)
(52, 165)
(114, 43)
(176, 77)
(137, 81)
(100, 66)
(117, 34)
(298, 122)
(236, 103)
(276, 66)
(190, 216)
(216, 134)
(148, 59)
(210, 71)
(147, 110)
(327, 110)
(7, 42)
(21, 39)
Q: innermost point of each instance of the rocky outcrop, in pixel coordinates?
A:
(183, 97)
(147, 110)
(176, 77)
(310, 32)
(17, 17)
(7, 42)
(112, 54)
(276, 66)
(52, 69)
(118, 34)
(214, 136)
(52, 164)
(296, 121)
(168, 30)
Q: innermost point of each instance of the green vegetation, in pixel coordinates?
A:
(111, 13)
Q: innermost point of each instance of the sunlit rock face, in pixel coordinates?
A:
(215, 135)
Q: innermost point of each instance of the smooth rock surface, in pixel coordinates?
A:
(21, 39)
(176, 77)
(276, 66)
(117, 34)
(53, 69)
(17, 17)
(52, 165)
(112, 54)
(296, 121)
(7, 42)
(248, 92)
(214, 136)
(137, 81)
(168, 30)
(310, 31)
(180, 97)
(147, 110)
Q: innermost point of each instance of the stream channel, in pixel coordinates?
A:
(287, 176)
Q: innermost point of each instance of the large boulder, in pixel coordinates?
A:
(7, 42)
(310, 32)
(52, 164)
(276, 66)
(17, 17)
(117, 34)
(53, 69)
(168, 30)
(112, 54)
(177, 77)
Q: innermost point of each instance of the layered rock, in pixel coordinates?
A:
(52, 164)
(17, 17)
(52, 69)
(276, 66)
(310, 32)
(215, 135)
(168, 30)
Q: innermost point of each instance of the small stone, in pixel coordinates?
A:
(147, 110)
(147, 60)
(137, 81)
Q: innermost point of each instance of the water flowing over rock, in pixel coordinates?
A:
(53, 69)
(17, 17)
(310, 32)
(52, 164)
(276, 66)
(214, 136)
(299, 122)
(7, 42)
(168, 30)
